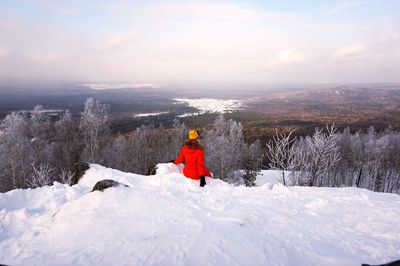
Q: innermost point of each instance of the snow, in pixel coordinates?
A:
(51, 112)
(167, 219)
(209, 105)
(149, 114)
(270, 177)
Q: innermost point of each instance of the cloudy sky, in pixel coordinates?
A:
(201, 42)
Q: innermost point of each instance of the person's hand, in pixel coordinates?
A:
(202, 181)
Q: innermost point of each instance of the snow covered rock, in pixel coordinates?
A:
(167, 219)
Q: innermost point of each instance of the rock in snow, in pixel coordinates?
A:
(166, 219)
(80, 169)
(106, 183)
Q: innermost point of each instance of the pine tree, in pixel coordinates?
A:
(252, 163)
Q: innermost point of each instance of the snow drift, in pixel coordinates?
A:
(167, 219)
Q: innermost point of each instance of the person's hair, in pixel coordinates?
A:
(193, 144)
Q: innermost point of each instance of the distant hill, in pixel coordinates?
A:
(357, 107)
(263, 108)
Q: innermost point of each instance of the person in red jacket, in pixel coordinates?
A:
(192, 154)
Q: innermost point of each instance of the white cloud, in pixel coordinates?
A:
(350, 50)
(117, 40)
(176, 10)
(289, 56)
(195, 42)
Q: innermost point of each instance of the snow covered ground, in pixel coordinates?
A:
(167, 219)
(209, 105)
(149, 114)
(270, 177)
(51, 112)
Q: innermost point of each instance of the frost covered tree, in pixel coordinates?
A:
(146, 147)
(67, 149)
(373, 160)
(65, 176)
(34, 151)
(42, 175)
(140, 150)
(137, 155)
(94, 129)
(5, 183)
(358, 159)
(27, 139)
(162, 145)
(280, 153)
(252, 163)
(368, 160)
(117, 154)
(375, 150)
(316, 155)
(224, 148)
(16, 156)
(40, 134)
(178, 136)
(392, 175)
(345, 171)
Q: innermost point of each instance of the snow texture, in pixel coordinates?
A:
(209, 105)
(149, 114)
(167, 219)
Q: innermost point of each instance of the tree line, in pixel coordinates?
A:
(34, 151)
(339, 159)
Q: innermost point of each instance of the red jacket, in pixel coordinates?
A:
(192, 153)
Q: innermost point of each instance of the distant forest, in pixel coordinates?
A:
(36, 151)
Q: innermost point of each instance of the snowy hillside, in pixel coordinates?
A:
(167, 219)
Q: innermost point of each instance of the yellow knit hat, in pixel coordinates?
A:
(193, 134)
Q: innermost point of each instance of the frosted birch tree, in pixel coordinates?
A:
(66, 146)
(41, 135)
(117, 154)
(317, 155)
(42, 175)
(280, 153)
(15, 145)
(224, 148)
(94, 129)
